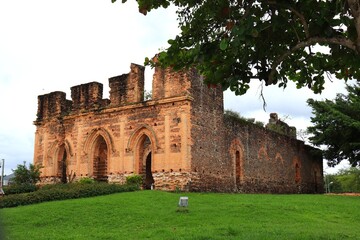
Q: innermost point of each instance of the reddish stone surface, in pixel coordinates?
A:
(180, 139)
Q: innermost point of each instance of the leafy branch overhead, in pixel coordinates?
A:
(232, 42)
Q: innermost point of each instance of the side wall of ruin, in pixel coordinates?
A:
(266, 161)
(211, 171)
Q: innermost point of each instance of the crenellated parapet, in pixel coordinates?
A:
(128, 88)
(125, 89)
(169, 83)
(86, 96)
(52, 105)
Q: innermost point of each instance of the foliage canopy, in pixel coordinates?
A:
(25, 175)
(346, 180)
(337, 126)
(232, 42)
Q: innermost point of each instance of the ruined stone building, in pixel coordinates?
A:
(178, 139)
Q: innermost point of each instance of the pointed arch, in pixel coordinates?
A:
(59, 156)
(279, 158)
(143, 144)
(138, 133)
(68, 148)
(100, 158)
(93, 135)
(97, 149)
(55, 145)
(237, 156)
(297, 169)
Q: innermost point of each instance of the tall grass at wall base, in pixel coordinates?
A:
(62, 192)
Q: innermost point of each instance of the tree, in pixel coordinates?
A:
(336, 124)
(232, 42)
(349, 179)
(346, 180)
(24, 175)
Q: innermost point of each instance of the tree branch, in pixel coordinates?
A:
(309, 42)
(297, 13)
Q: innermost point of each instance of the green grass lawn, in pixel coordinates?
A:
(154, 215)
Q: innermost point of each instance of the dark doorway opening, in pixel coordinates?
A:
(61, 164)
(149, 179)
(145, 161)
(100, 160)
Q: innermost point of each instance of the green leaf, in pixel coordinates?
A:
(224, 44)
(254, 33)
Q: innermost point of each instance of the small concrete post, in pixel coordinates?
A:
(183, 202)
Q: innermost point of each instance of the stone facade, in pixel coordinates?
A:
(180, 139)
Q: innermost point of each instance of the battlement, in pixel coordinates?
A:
(125, 89)
(86, 96)
(169, 83)
(52, 105)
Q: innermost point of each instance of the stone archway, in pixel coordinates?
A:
(100, 159)
(144, 160)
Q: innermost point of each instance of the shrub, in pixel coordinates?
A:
(86, 180)
(134, 180)
(64, 191)
(19, 188)
(25, 175)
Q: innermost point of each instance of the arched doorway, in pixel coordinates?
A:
(100, 159)
(62, 164)
(149, 179)
(145, 161)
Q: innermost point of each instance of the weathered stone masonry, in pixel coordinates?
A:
(178, 139)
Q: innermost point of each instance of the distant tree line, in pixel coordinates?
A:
(346, 180)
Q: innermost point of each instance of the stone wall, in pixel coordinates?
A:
(119, 128)
(179, 139)
(207, 134)
(272, 162)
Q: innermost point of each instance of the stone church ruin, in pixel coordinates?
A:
(180, 139)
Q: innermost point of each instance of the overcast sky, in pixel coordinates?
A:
(50, 46)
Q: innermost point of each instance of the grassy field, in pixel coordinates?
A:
(154, 215)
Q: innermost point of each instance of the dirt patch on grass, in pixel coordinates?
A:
(345, 194)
